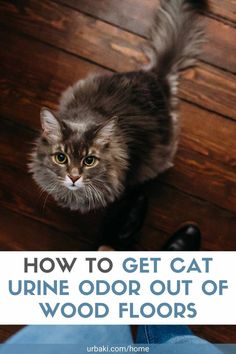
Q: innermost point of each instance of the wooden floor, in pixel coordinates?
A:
(46, 46)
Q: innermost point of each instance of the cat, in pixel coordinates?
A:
(113, 132)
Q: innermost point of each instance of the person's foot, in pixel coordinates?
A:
(122, 224)
(186, 238)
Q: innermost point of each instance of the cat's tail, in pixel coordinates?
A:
(176, 36)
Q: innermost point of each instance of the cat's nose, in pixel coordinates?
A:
(74, 178)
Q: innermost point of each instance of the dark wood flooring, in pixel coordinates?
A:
(46, 46)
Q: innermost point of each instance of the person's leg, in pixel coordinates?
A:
(174, 339)
(166, 334)
(66, 339)
(86, 335)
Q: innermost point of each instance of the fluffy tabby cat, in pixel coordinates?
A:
(113, 132)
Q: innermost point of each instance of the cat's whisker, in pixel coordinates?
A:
(92, 197)
(47, 196)
(44, 204)
(98, 194)
(87, 196)
(91, 194)
(42, 190)
(41, 195)
(95, 196)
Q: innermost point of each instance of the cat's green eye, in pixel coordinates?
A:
(61, 158)
(89, 161)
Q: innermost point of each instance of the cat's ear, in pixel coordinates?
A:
(50, 125)
(106, 131)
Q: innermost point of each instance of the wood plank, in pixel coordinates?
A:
(218, 225)
(208, 134)
(101, 42)
(225, 9)
(202, 177)
(135, 16)
(202, 132)
(74, 32)
(32, 235)
(220, 49)
(216, 334)
(210, 88)
(7, 331)
(205, 86)
(169, 208)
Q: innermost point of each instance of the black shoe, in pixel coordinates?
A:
(123, 222)
(186, 238)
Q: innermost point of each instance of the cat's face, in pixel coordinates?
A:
(82, 167)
